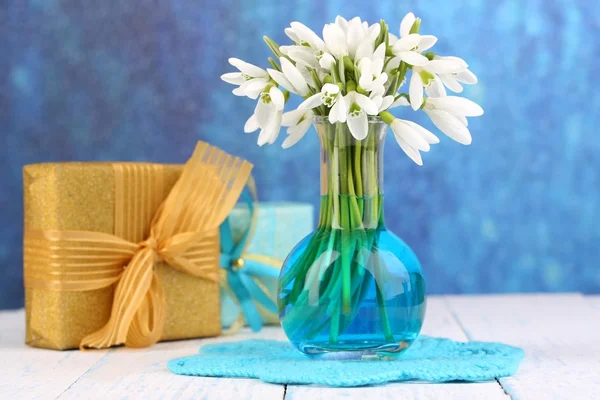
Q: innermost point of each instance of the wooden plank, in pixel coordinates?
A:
(440, 322)
(594, 301)
(559, 334)
(142, 373)
(29, 373)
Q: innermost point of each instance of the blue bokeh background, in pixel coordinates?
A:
(518, 210)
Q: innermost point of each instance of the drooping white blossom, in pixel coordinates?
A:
(251, 80)
(267, 116)
(449, 114)
(358, 107)
(290, 78)
(298, 122)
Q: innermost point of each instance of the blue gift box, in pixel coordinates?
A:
(278, 227)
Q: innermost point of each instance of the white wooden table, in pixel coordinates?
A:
(560, 335)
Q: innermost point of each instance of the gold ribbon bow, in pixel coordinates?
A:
(183, 233)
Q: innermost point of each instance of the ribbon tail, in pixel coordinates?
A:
(129, 295)
(147, 325)
(257, 293)
(246, 303)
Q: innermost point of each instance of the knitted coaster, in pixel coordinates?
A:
(428, 359)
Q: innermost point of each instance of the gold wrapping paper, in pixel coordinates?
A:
(82, 197)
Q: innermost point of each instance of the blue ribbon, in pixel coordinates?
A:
(241, 273)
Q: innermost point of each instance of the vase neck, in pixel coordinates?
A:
(351, 176)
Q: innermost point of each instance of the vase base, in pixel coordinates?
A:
(359, 350)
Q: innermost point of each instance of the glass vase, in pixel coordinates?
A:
(351, 288)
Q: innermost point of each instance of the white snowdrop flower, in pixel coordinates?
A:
(430, 76)
(267, 116)
(406, 49)
(298, 123)
(449, 114)
(460, 74)
(291, 79)
(372, 77)
(425, 43)
(358, 107)
(303, 35)
(251, 80)
(329, 95)
(382, 103)
(335, 41)
(412, 138)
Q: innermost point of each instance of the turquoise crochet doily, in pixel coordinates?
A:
(428, 359)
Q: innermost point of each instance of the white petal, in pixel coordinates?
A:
(291, 118)
(277, 98)
(304, 56)
(235, 78)
(365, 49)
(264, 113)
(366, 104)
(412, 153)
(446, 66)
(416, 90)
(377, 99)
(413, 58)
(327, 61)
(373, 32)
(339, 111)
(330, 88)
(467, 77)
(407, 43)
(450, 81)
(294, 77)
(436, 89)
(427, 42)
(247, 68)
(271, 131)
(312, 102)
(281, 80)
(463, 120)
(406, 24)
(335, 39)
(239, 91)
(305, 34)
(450, 125)
(342, 23)
(252, 124)
(254, 87)
(457, 106)
(425, 134)
(359, 126)
(354, 36)
(379, 53)
(408, 134)
(296, 133)
(386, 103)
(292, 35)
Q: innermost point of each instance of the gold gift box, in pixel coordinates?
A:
(81, 197)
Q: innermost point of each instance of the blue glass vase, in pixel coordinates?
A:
(351, 288)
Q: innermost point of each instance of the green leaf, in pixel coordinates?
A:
(274, 47)
(274, 64)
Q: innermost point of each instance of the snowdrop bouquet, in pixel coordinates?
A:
(352, 285)
(358, 70)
